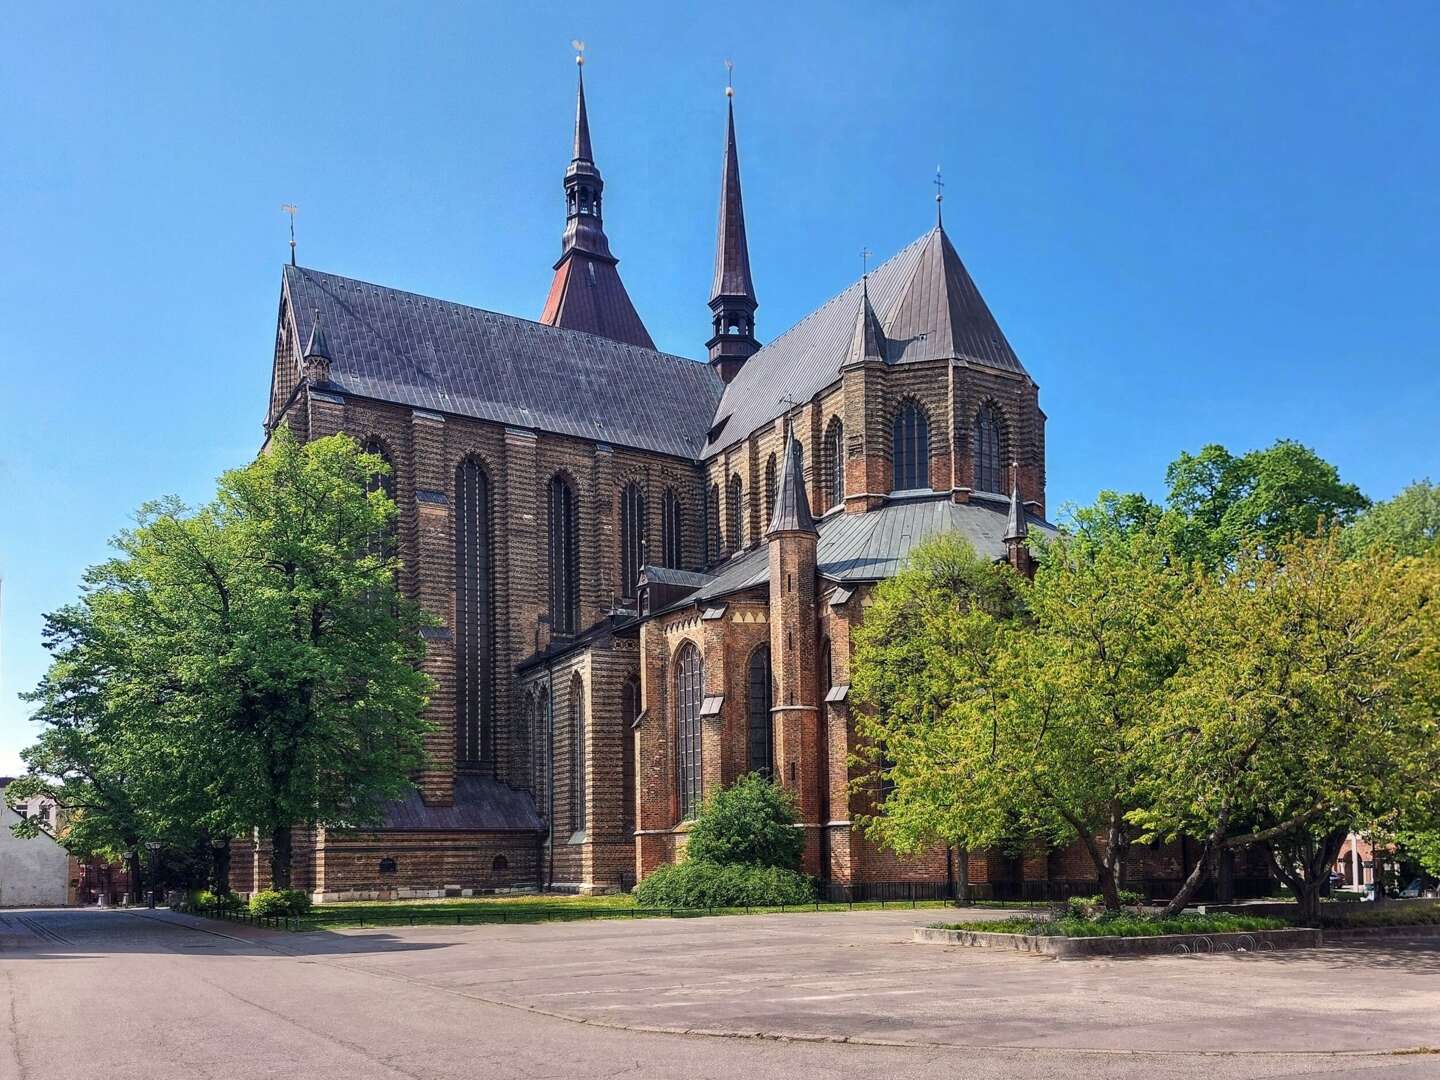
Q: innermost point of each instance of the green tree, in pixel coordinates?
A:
(1221, 501)
(1295, 717)
(986, 718)
(1408, 524)
(751, 822)
(250, 664)
(925, 655)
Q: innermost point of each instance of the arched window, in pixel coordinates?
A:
(835, 463)
(629, 713)
(713, 542)
(735, 522)
(564, 557)
(577, 755)
(760, 733)
(500, 864)
(689, 693)
(770, 487)
(989, 466)
(910, 449)
(382, 545)
(672, 534)
(474, 626)
(633, 525)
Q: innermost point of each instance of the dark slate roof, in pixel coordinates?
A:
(433, 354)
(480, 803)
(792, 506)
(874, 545)
(665, 575)
(732, 253)
(928, 307)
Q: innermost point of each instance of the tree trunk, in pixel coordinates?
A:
(137, 879)
(1191, 885)
(220, 869)
(1307, 895)
(280, 857)
(962, 875)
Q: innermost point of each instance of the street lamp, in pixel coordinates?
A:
(152, 846)
(132, 864)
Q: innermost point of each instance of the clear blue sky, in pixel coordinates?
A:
(1196, 222)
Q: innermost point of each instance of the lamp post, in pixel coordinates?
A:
(132, 867)
(152, 846)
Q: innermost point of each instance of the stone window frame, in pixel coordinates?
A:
(988, 446)
(672, 530)
(634, 521)
(834, 462)
(759, 701)
(562, 503)
(579, 788)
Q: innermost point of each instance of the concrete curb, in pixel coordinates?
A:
(1155, 945)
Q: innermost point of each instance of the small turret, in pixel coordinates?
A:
(316, 361)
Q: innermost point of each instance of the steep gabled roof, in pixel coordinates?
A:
(586, 294)
(433, 354)
(928, 308)
(791, 512)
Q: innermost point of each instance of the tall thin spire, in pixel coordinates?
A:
(586, 292)
(732, 291)
(1016, 528)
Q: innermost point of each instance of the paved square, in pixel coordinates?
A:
(160, 995)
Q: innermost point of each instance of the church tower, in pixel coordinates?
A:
(586, 293)
(800, 761)
(732, 293)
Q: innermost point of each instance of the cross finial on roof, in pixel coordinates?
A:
(729, 77)
(290, 208)
(579, 47)
(865, 254)
(939, 183)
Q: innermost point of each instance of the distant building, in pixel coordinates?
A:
(34, 872)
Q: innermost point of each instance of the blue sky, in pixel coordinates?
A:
(1196, 222)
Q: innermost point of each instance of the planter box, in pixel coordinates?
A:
(1155, 945)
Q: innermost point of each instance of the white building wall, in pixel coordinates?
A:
(33, 873)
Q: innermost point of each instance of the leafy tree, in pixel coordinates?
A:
(246, 665)
(1265, 496)
(987, 719)
(751, 822)
(1296, 715)
(1408, 524)
(925, 655)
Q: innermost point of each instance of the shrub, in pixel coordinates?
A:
(694, 884)
(751, 822)
(1093, 907)
(271, 903)
(205, 900)
(1391, 914)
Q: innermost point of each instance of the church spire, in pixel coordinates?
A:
(732, 292)
(586, 293)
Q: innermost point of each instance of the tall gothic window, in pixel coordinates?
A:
(760, 732)
(633, 524)
(835, 462)
(989, 470)
(564, 557)
(713, 542)
(577, 754)
(770, 487)
(672, 534)
(734, 517)
(689, 693)
(910, 449)
(474, 620)
(629, 713)
(382, 545)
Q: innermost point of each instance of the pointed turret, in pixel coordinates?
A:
(1016, 527)
(732, 292)
(792, 505)
(586, 293)
(867, 343)
(316, 360)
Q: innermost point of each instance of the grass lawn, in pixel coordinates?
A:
(1124, 925)
(544, 907)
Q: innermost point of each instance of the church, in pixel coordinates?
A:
(645, 569)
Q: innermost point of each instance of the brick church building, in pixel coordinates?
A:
(645, 568)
